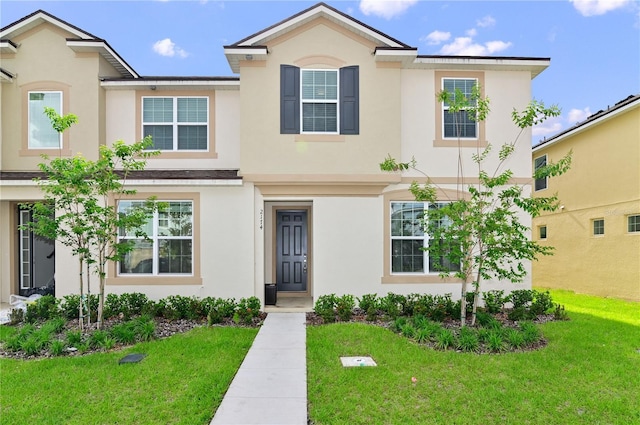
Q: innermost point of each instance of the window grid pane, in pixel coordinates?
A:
(634, 223)
(538, 163)
(41, 132)
(185, 122)
(320, 117)
(598, 227)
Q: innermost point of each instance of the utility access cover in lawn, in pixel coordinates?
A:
(357, 361)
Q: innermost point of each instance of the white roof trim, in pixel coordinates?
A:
(33, 21)
(580, 128)
(146, 83)
(107, 52)
(310, 14)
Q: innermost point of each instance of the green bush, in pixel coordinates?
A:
(248, 309)
(344, 307)
(393, 305)
(220, 309)
(16, 316)
(57, 347)
(325, 308)
(73, 338)
(541, 303)
(515, 338)
(530, 332)
(44, 308)
(559, 313)
(495, 341)
(520, 298)
(181, 307)
(445, 339)
(368, 302)
(124, 333)
(70, 306)
(468, 340)
(493, 301)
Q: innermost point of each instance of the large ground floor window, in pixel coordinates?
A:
(409, 240)
(168, 250)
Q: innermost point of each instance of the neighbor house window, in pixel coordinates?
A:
(598, 227)
(458, 124)
(542, 232)
(176, 123)
(324, 101)
(408, 240)
(41, 132)
(539, 162)
(633, 223)
(168, 250)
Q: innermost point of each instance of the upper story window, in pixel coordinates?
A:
(176, 123)
(319, 101)
(41, 132)
(598, 226)
(458, 124)
(322, 101)
(409, 240)
(539, 162)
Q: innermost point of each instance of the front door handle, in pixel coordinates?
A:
(304, 263)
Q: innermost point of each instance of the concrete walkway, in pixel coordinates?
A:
(271, 384)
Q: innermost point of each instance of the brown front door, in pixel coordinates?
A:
(292, 248)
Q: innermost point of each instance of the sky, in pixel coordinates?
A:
(594, 45)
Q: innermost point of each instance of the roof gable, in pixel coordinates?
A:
(78, 40)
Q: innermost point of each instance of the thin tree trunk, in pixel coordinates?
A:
(463, 304)
(88, 293)
(80, 309)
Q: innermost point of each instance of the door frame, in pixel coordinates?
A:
(286, 206)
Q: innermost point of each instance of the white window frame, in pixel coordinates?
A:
(595, 226)
(425, 237)
(322, 101)
(175, 124)
(154, 238)
(445, 111)
(544, 179)
(59, 110)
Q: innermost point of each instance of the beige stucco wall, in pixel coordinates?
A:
(266, 151)
(39, 49)
(603, 183)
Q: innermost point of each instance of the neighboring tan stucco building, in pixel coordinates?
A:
(596, 231)
(279, 181)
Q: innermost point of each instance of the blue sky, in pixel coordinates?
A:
(594, 45)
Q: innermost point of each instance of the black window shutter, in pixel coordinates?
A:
(289, 99)
(349, 100)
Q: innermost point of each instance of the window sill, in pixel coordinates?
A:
(423, 278)
(319, 138)
(48, 152)
(154, 280)
(463, 143)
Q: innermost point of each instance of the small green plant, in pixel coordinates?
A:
(468, 340)
(220, 309)
(423, 334)
(541, 303)
(515, 338)
(493, 301)
(97, 338)
(57, 347)
(108, 343)
(495, 341)
(73, 338)
(368, 301)
(325, 307)
(530, 333)
(32, 345)
(408, 330)
(392, 305)
(445, 339)
(518, 313)
(144, 327)
(124, 333)
(398, 323)
(44, 308)
(559, 313)
(70, 306)
(520, 298)
(248, 309)
(344, 307)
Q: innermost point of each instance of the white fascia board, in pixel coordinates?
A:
(103, 49)
(245, 51)
(178, 182)
(33, 21)
(298, 20)
(144, 84)
(7, 47)
(580, 128)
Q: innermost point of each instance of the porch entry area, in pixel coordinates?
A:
(288, 254)
(35, 258)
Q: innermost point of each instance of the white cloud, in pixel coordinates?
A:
(168, 48)
(485, 22)
(472, 32)
(465, 46)
(385, 8)
(578, 115)
(436, 37)
(550, 127)
(597, 7)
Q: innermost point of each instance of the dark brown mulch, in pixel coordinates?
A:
(164, 329)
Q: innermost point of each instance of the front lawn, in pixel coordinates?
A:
(181, 381)
(589, 373)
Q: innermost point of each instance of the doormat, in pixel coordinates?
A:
(132, 358)
(357, 361)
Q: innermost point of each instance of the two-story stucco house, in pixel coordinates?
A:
(271, 175)
(596, 231)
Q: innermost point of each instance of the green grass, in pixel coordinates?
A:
(181, 381)
(589, 373)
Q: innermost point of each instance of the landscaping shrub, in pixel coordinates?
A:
(344, 307)
(559, 313)
(541, 303)
(393, 305)
(445, 339)
(468, 340)
(16, 315)
(70, 306)
(493, 301)
(520, 298)
(220, 309)
(44, 308)
(248, 309)
(495, 341)
(325, 307)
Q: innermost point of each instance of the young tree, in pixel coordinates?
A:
(80, 205)
(479, 235)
